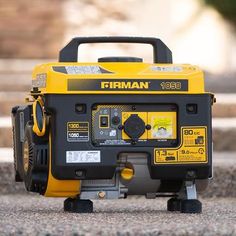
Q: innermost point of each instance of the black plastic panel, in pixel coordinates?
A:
(62, 109)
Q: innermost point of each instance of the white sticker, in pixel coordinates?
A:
(112, 133)
(167, 68)
(83, 156)
(40, 81)
(83, 70)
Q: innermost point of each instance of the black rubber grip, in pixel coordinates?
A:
(161, 53)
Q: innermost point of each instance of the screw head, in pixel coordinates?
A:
(101, 194)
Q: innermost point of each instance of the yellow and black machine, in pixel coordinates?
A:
(116, 127)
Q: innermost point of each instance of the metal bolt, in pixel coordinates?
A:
(101, 194)
(79, 173)
(120, 127)
(191, 174)
(133, 142)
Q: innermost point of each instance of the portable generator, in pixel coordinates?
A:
(116, 127)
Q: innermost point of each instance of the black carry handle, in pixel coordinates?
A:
(161, 53)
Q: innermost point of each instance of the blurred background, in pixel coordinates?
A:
(201, 32)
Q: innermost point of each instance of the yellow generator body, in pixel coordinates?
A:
(116, 127)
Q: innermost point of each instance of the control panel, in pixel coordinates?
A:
(134, 124)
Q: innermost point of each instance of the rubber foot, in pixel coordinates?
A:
(76, 205)
(174, 204)
(191, 206)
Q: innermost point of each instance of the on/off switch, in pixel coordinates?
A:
(104, 121)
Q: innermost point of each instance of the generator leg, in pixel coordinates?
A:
(76, 205)
(174, 204)
(190, 203)
(187, 201)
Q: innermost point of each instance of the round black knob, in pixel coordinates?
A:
(134, 127)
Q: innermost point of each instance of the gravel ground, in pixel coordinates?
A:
(36, 215)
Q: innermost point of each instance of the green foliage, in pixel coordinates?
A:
(227, 8)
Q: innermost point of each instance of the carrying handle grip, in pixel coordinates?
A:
(161, 53)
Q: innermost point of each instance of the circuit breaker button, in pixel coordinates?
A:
(104, 121)
(115, 120)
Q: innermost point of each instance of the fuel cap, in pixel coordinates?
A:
(134, 127)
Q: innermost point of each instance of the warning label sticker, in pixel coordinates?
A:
(77, 131)
(83, 156)
(163, 125)
(193, 148)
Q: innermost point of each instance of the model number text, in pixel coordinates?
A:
(171, 85)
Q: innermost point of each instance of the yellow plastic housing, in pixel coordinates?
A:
(50, 81)
(60, 188)
(36, 129)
